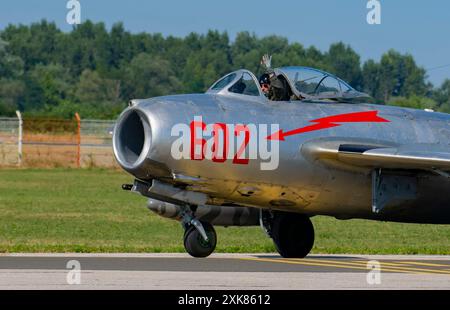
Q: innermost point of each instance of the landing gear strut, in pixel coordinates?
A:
(292, 233)
(199, 237)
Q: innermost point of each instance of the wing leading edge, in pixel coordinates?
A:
(369, 154)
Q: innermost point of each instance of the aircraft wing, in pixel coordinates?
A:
(369, 154)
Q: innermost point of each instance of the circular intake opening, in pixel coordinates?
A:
(132, 138)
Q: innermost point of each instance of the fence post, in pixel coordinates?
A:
(20, 138)
(77, 117)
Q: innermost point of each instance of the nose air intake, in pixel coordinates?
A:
(132, 139)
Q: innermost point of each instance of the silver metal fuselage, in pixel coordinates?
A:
(298, 184)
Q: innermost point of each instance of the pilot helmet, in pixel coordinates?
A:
(264, 79)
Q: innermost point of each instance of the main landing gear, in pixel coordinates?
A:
(292, 233)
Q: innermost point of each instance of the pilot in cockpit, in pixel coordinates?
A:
(274, 87)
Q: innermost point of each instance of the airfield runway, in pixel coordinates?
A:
(222, 271)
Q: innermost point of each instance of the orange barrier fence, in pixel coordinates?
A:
(43, 142)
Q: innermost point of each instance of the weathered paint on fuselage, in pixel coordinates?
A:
(298, 184)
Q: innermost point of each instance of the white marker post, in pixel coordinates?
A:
(19, 142)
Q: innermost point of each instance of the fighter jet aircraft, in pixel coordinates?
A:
(232, 157)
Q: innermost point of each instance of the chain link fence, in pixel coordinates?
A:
(9, 138)
(96, 143)
(56, 143)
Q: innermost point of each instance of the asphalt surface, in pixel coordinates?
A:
(222, 271)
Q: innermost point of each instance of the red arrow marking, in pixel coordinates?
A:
(329, 122)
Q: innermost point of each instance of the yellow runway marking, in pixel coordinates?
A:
(394, 264)
(322, 265)
(356, 262)
(348, 265)
(397, 265)
(426, 264)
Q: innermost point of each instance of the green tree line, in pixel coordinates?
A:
(95, 71)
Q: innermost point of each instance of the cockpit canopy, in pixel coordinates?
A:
(305, 83)
(241, 82)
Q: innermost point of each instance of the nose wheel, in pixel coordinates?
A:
(195, 242)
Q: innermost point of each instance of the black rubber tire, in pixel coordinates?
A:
(293, 234)
(194, 243)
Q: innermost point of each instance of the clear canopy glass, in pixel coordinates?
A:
(305, 84)
(314, 82)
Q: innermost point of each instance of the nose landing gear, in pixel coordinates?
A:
(196, 245)
(200, 237)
